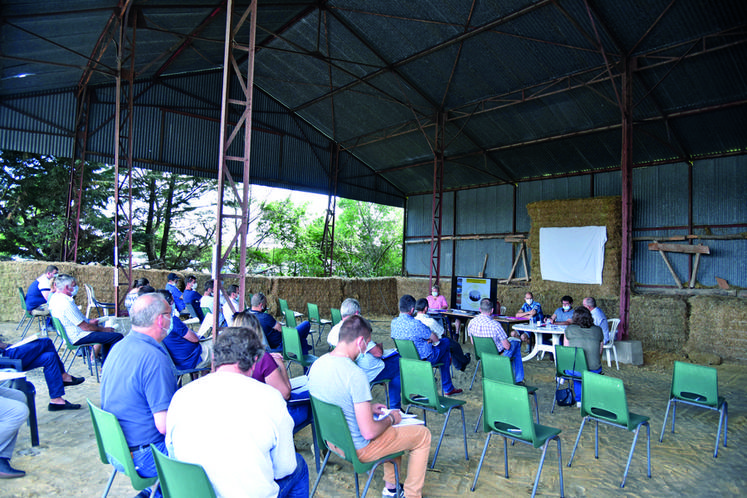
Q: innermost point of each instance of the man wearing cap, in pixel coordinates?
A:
(172, 279)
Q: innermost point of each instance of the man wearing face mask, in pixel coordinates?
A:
(530, 309)
(273, 329)
(563, 315)
(80, 330)
(138, 381)
(183, 345)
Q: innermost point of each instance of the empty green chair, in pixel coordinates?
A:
(72, 349)
(283, 304)
(290, 320)
(508, 414)
(315, 319)
(113, 448)
(336, 316)
(333, 430)
(568, 358)
(181, 479)
(483, 345)
(603, 400)
(500, 369)
(697, 385)
(419, 389)
(292, 351)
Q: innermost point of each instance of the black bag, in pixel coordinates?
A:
(564, 397)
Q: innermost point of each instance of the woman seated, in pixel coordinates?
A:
(270, 370)
(584, 334)
(133, 294)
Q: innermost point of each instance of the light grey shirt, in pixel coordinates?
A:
(600, 320)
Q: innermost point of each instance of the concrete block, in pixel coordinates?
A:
(629, 352)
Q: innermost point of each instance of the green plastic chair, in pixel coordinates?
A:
(181, 479)
(290, 320)
(315, 319)
(568, 358)
(284, 307)
(603, 400)
(407, 349)
(508, 414)
(330, 421)
(205, 311)
(419, 389)
(27, 315)
(336, 316)
(697, 385)
(292, 351)
(72, 349)
(483, 345)
(113, 448)
(499, 368)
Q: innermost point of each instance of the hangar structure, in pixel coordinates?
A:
(430, 105)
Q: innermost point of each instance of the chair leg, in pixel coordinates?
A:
(614, 352)
(479, 466)
(578, 437)
(477, 367)
(663, 427)
(109, 484)
(371, 474)
(440, 439)
(319, 475)
(464, 433)
(609, 363)
(632, 448)
(539, 469)
(723, 417)
(560, 468)
(479, 418)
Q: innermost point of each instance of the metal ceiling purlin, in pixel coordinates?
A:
(232, 72)
(123, 139)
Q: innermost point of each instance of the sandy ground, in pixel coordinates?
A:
(66, 462)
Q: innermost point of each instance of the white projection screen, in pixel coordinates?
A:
(572, 254)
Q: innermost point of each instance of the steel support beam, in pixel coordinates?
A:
(123, 139)
(230, 136)
(626, 167)
(328, 237)
(437, 205)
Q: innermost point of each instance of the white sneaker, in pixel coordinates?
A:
(385, 493)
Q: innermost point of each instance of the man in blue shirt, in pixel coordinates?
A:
(138, 381)
(530, 309)
(563, 315)
(38, 292)
(273, 329)
(192, 297)
(429, 347)
(172, 279)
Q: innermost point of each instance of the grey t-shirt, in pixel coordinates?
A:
(588, 339)
(339, 381)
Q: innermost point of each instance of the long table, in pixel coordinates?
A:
(556, 332)
(466, 316)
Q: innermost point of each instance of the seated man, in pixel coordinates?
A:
(483, 325)
(80, 330)
(13, 413)
(233, 307)
(38, 292)
(42, 353)
(371, 362)
(563, 315)
(428, 345)
(237, 428)
(530, 309)
(138, 381)
(172, 280)
(335, 378)
(192, 297)
(458, 358)
(600, 319)
(183, 345)
(273, 329)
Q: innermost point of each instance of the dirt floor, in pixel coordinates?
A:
(66, 463)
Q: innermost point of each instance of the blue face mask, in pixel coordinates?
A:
(75, 291)
(171, 326)
(360, 355)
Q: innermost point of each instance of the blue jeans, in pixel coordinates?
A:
(295, 485)
(41, 353)
(303, 332)
(442, 354)
(106, 339)
(299, 411)
(391, 373)
(577, 383)
(514, 352)
(145, 465)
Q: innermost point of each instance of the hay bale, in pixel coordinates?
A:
(718, 325)
(659, 322)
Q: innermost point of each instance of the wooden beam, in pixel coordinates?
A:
(681, 248)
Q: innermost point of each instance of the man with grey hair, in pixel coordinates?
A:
(377, 365)
(79, 329)
(138, 381)
(600, 319)
(273, 329)
(483, 325)
(236, 427)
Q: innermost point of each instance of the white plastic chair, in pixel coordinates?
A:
(93, 303)
(613, 323)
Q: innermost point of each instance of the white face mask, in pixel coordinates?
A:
(360, 353)
(566, 308)
(434, 293)
(529, 301)
(75, 291)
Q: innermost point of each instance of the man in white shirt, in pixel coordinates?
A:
(79, 329)
(237, 428)
(600, 319)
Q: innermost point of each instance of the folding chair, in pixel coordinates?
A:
(508, 414)
(72, 349)
(334, 432)
(603, 400)
(568, 358)
(697, 385)
(500, 369)
(419, 389)
(179, 479)
(113, 448)
(292, 351)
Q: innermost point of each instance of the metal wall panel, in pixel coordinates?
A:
(471, 257)
(420, 217)
(727, 260)
(485, 210)
(648, 266)
(607, 184)
(660, 196)
(42, 124)
(720, 191)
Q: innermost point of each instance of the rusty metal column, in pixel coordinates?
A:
(626, 169)
(328, 237)
(438, 192)
(123, 126)
(233, 52)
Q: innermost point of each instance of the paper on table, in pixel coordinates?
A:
(11, 375)
(299, 382)
(28, 339)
